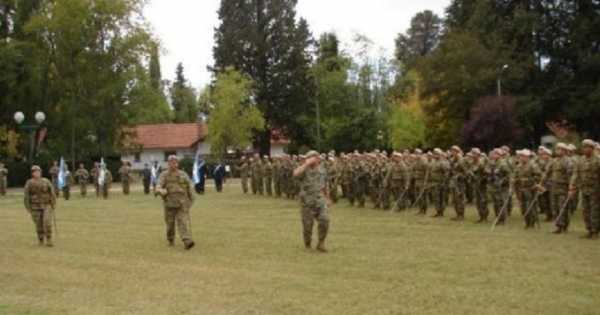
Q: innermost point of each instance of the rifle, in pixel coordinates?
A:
(504, 207)
(530, 207)
(562, 210)
(425, 182)
(399, 200)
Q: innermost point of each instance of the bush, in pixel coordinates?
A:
(18, 173)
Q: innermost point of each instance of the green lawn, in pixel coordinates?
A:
(111, 257)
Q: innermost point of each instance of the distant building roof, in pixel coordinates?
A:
(180, 136)
(169, 136)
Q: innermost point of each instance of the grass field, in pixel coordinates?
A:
(111, 257)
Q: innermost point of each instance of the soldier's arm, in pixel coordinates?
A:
(190, 193)
(52, 193)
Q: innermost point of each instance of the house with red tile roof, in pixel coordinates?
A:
(154, 143)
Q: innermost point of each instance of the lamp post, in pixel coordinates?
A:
(39, 117)
(502, 70)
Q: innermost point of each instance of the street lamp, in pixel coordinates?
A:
(39, 117)
(504, 68)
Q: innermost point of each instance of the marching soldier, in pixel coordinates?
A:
(560, 172)
(313, 199)
(498, 177)
(479, 184)
(586, 180)
(3, 181)
(459, 169)
(40, 202)
(82, 177)
(175, 187)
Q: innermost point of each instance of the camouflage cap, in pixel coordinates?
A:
(311, 153)
(172, 157)
(544, 150)
(36, 168)
(588, 143)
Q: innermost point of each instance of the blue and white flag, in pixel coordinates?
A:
(62, 174)
(102, 173)
(154, 174)
(196, 170)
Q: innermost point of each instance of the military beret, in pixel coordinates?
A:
(562, 146)
(418, 151)
(588, 143)
(572, 147)
(544, 150)
(476, 151)
(455, 148)
(172, 157)
(524, 152)
(35, 168)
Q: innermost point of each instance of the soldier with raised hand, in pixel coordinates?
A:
(526, 176)
(560, 172)
(176, 189)
(54, 170)
(40, 202)
(586, 180)
(313, 197)
(82, 176)
(125, 176)
(3, 181)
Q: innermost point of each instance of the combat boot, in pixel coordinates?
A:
(188, 244)
(559, 230)
(321, 247)
(41, 241)
(307, 245)
(49, 242)
(171, 243)
(589, 235)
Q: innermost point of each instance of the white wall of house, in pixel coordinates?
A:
(277, 149)
(159, 155)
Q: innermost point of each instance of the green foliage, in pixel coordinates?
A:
(420, 39)
(147, 105)
(407, 124)
(235, 117)
(183, 98)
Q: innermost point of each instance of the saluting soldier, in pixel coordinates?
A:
(40, 202)
(175, 187)
(83, 177)
(313, 197)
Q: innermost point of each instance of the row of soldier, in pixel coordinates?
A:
(550, 183)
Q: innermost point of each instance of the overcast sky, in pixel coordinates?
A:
(186, 27)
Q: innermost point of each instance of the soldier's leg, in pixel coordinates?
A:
(67, 192)
(523, 199)
(170, 223)
(47, 222)
(37, 218)
(586, 204)
(361, 195)
(439, 200)
(182, 218)
(253, 186)
(562, 210)
(2, 187)
(595, 214)
(269, 187)
(459, 200)
(307, 225)
(323, 226)
(333, 192)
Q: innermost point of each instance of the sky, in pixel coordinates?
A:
(185, 28)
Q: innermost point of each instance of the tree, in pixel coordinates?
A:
(155, 73)
(183, 98)
(235, 117)
(420, 39)
(406, 124)
(493, 123)
(146, 104)
(264, 40)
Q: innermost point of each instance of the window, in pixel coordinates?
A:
(137, 157)
(167, 153)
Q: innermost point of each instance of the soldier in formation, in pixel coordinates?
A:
(83, 177)
(547, 183)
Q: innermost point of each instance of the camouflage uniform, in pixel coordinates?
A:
(544, 196)
(398, 180)
(459, 169)
(95, 172)
(479, 184)
(498, 177)
(313, 205)
(257, 174)
(347, 177)
(243, 168)
(360, 182)
(268, 177)
(124, 173)
(178, 199)
(3, 182)
(54, 170)
(108, 179)
(586, 180)
(560, 174)
(40, 201)
(333, 177)
(421, 176)
(438, 173)
(82, 177)
(526, 176)
(277, 177)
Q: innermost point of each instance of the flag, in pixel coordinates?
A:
(102, 173)
(62, 174)
(154, 174)
(195, 171)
